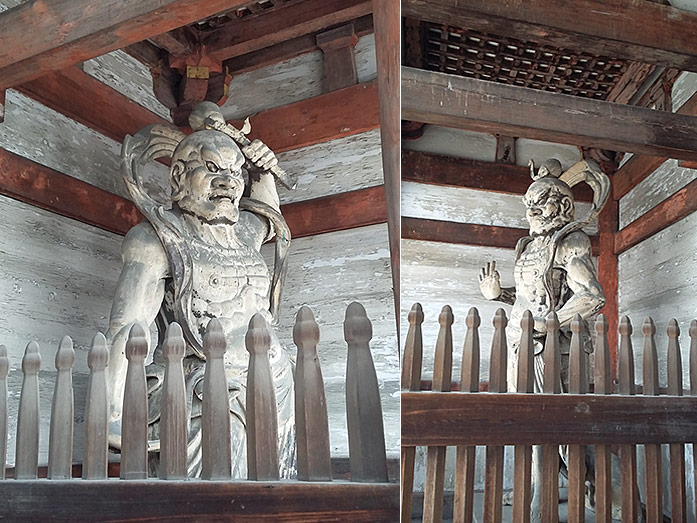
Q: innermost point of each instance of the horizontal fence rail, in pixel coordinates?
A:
(559, 422)
(314, 497)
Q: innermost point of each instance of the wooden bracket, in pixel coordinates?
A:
(339, 58)
(688, 164)
(505, 149)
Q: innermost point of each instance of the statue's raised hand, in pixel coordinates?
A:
(260, 155)
(490, 281)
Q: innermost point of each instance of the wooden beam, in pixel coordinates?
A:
(640, 31)
(448, 418)
(39, 37)
(387, 49)
(506, 178)
(669, 211)
(688, 164)
(337, 212)
(468, 233)
(90, 102)
(284, 23)
(37, 185)
(491, 107)
(638, 167)
(346, 112)
(245, 501)
(289, 49)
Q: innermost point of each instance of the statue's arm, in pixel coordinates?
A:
(575, 256)
(138, 297)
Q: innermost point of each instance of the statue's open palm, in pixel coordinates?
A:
(490, 281)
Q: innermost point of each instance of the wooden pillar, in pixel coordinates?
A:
(608, 274)
(339, 58)
(387, 25)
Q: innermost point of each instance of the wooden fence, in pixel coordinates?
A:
(314, 497)
(611, 418)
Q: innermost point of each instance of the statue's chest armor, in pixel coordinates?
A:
(529, 272)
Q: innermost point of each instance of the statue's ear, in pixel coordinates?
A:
(177, 177)
(566, 205)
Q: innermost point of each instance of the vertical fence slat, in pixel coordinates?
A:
(677, 450)
(173, 417)
(602, 383)
(627, 386)
(311, 423)
(367, 457)
(411, 380)
(96, 412)
(4, 416)
(216, 453)
(435, 455)
(577, 453)
(27, 454)
(550, 453)
(654, 484)
(493, 479)
(523, 453)
(134, 433)
(693, 392)
(60, 445)
(463, 503)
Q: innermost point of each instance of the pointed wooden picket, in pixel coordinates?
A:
(96, 412)
(311, 422)
(677, 450)
(550, 453)
(173, 417)
(27, 454)
(577, 453)
(4, 413)
(602, 383)
(627, 386)
(60, 446)
(654, 484)
(134, 434)
(693, 392)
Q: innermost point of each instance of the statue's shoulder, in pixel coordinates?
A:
(574, 244)
(141, 243)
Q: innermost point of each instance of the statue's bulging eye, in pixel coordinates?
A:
(212, 167)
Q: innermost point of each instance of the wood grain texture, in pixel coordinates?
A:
(4, 412)
(27, 455)
(676, 450)
(601, 29)
(200, 501)
(602, 383)
(311, 424)
(91, 32)
(577, 453)
(366, 434)
(437, 98)
(173, 417)
(96, 412)
(608, 276)
(339, 66)
(134, 433)
(60, 454)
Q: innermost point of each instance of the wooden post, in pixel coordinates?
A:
(27, 454)
(60, 453)
(550, 453)
(435, 455)
(311, 423)
(174, 418)
(411, 380)
(677, 450)
(366, 435)
(577, 453)
(96, 412)
(654, 484)
(608, 274)
(627, 386)
(602, 383)
(216, 453)
(693, 391)
(463, 504)
(4, 419)
(134, 431)
(493, 479)
(339, 69)
(523, 453)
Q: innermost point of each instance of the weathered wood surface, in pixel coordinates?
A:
(608, 279)
(173, 417)
(60, 454)
(601, 30)
(339, 65)
(216, 453)
(4, 412)
(459, 419)
(311, 425)
(677, 450)
(366, 434)
(437, 98)
(134, 432)
(89, 33)
(578, 384)
(602, 384)
(202, 501)
(96, 412)
(27, 456)
(261, 422)
(551, 384)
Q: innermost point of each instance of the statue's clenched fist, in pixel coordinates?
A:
(490, 281)
(260, 155)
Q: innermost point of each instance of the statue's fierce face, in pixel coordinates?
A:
(207, 177)
(549, 205)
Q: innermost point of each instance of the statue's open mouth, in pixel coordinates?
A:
(218, 197)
